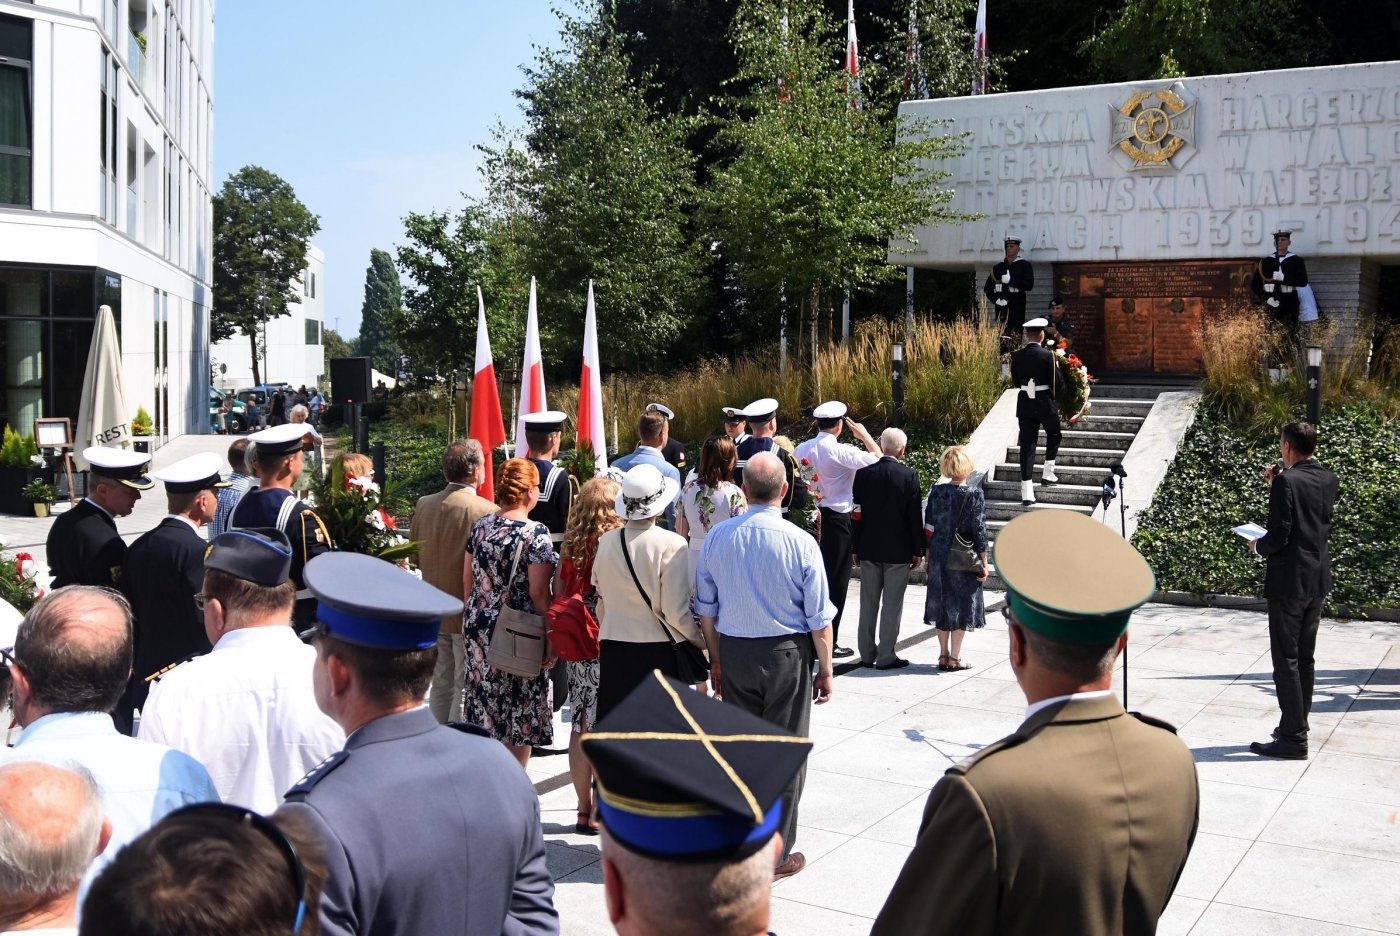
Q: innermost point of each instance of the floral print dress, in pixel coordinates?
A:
(704, 506)
(583, 674)
(515, 709)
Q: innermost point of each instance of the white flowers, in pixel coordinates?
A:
(366, 484)
(37, 461)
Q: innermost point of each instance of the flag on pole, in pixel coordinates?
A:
(487, 426)
(979, 51)
(852, 56)
(531, 375)
(915, 85)
(590, 390)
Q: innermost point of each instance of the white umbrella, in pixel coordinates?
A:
(102, 416)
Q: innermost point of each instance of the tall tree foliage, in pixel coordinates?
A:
(261, 232)
(381, 306)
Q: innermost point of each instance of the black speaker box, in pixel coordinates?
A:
(350, 381)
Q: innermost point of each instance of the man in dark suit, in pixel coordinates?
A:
(1034, 371)
(463, 854)
(1006, 288)
(164, 571)
(1298, 577)
(84, 547)
(889, 542)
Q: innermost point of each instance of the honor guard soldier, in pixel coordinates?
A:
(279, 453)
(690, 800)
(1059, 328)
(1034, 371)
(1277, 279)
(673, 451)
(734, 424)
(84, 547)
(427, 828)
(1080, 822)
(762, 417)
(1006, 288)
(557, 486)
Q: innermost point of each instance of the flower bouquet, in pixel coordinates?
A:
(1072, 388)
(352, 510)
(809, 517)
(18, 584)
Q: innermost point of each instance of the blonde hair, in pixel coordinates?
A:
(593, 515)
(355, 465)
(956, 463)
(517, 476)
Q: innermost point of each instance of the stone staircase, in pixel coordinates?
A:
(1086, 452)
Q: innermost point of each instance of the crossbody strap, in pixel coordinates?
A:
(515, 564)
(622, 536)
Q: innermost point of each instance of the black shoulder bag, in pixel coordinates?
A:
(691, 664)
(962, 557)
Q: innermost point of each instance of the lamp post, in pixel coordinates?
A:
(897, 382)
(1314, 384)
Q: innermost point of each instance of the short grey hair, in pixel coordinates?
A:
(763, 478)
(298, 414)
(893, 441)
(38, 863)
(462, 460)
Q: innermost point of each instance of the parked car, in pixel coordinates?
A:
(237, 417)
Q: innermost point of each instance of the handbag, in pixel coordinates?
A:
(517, 640)
(572, 628)
(692, 666)
(962, 557)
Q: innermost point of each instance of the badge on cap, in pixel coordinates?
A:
(661, 408)
(121, 465)
(197, 473)
(732, 414)
(373, 603)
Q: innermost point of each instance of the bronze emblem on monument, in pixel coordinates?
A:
(1154, 129)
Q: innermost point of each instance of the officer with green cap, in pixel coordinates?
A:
(1081, 821)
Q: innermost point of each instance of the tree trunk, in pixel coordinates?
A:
(253, 341)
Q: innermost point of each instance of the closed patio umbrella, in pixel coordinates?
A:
(103, 418)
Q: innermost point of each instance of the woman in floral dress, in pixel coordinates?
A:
(515, 709)
(591, 517)
(710, 497)
(954, 601)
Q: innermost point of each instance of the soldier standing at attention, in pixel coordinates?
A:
(84, 547)
(1007, 286)
(734, 425)
(1080, 822)
(1033, 370)
(542, 433)
(1277, 279)
(762, 417)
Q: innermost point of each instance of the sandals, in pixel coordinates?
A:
(943, 662)
(956, 665)
(585, 824)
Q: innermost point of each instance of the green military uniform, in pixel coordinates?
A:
(1080, 822)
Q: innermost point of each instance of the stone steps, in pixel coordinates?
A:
(1007, 509)
(1097, 422)
(1061, 493)
(1121, 407)
(1071, 457)
(1069, 474)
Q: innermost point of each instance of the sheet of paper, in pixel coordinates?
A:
(1250, 531)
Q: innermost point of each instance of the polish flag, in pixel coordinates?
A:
(979, 51)
(531, 375)
(852, 56)
(590, 390)
(487, 426)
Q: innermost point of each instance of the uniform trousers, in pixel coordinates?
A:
(1029, 436)
(882, 586)
(771, 677)
(445, 695)
(836, 557)
(1293, 626)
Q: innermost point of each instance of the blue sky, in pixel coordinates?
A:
(369, 110)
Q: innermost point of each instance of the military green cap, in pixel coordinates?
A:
(1069, 577)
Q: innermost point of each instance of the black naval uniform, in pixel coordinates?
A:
(556, 498)
(674, 453)
(1013, 294)
(84, 547)
(268, 507)
(164, 570)
(1035, 364)
(796, 496)
(1285, 291)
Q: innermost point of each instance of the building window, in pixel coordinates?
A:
(107, 161)
(16, 44)
(313, 332)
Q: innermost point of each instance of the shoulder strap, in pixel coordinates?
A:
(515, 564)
(622, 537)
(284, 513)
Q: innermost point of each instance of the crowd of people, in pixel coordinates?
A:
(231, 735)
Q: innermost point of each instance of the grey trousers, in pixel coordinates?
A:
(882, 586)
(449, 679)
(771, 677)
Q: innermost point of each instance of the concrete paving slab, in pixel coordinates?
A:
(855, 878)
(1219, 720)
(908, 759)
(1329, 823)
(850, 805)
(791, 916)
(1360, 779)
(1317, 885)
(1364, 739)
(1237, 811)
(1213, 859)
(900, 827)
(1233, 762)
(1225, 920)
(1181, 914)
(949, 723)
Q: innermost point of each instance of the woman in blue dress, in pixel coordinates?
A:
(954, 604)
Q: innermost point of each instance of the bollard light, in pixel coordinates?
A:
(897, 382)
(1314, 376)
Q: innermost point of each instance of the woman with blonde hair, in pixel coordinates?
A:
(515, 709)
(954, 601)
(591, 517)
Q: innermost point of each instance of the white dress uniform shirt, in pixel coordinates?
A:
(836, 464)
(248, 712)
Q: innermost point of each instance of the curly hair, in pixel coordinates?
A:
(517, 476)
(593, 515)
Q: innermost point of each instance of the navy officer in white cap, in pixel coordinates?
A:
(428, 829)
(543, 432)
(762, 416)
(280, 453)
(1036, 373)
(734, 424)
(84, 547)
(164, 570)
(674, 449)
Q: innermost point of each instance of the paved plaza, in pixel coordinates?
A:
(1285, 848)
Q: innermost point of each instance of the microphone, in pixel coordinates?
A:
(1117, 469)
(1108, 491)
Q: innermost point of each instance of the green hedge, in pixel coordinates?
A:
(1215, 483)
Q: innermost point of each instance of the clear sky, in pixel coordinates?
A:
(369, 110)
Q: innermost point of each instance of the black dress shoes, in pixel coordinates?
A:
(840, 653)
(1280, 749)
(896, 663)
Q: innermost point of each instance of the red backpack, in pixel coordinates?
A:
(572, 628)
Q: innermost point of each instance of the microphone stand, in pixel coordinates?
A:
(1114, 480)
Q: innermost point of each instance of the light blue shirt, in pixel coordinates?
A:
(238, 485)
(140, 781)
(760, 576)
(646, 455)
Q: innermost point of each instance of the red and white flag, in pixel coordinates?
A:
(531, 376)
(486, 425)
(852, 56)
(979, 51)
(590, 390)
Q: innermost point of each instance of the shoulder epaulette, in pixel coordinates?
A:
(469, 728)
(318, 773)
(1154, 722)
(1005, 744)
(155, 677)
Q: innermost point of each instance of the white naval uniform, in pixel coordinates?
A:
(836, 464)
(247, 711)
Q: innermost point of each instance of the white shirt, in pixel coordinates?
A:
(835, 464)
(1076, 696)
(247, 711)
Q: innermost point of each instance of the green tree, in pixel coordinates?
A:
(334, 346)
(383, 296)
(261, 232)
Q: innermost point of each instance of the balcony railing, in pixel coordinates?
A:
(137, 60)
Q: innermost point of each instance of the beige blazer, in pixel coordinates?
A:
(662, 561)
(442, 522)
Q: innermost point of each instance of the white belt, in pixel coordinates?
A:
(1012, 289)
(1269, 287)
(1287, 289)
(1031, 387)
